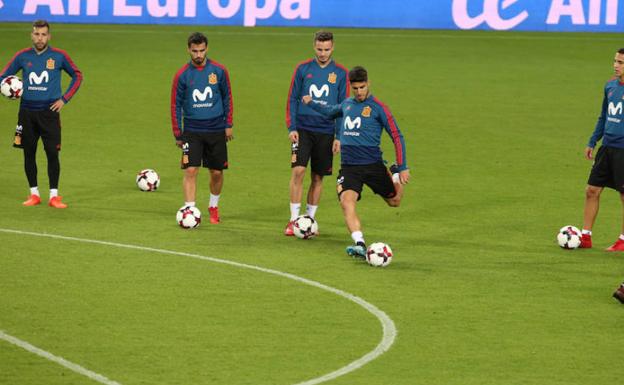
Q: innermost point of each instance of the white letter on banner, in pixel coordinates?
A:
(169, 9)
(190, 8)
(93, 7)
(594, 12)
(253, 13)
(612, 12)
(56, 6)
(214, 6)
(491, 15)
(558, 9)
(289, 12)
(120, 8)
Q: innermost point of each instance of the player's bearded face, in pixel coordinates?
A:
(360, 90)
(40, 37)
(198, 53)
(323, 51)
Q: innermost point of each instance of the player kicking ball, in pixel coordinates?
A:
(363, 119)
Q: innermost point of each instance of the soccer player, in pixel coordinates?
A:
(608, 166)
(363, 119)
(312, 135)
(42, 101)
(201, 117)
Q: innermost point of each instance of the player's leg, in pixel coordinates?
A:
(349, 188)
(599, 177)
(192, 153)
(51, 137)
(189, 185)
(321, 165)
(30, 138)
(216, 159)
(300, 155)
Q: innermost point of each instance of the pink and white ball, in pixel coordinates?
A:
(11, 87)
(379, 254)
(569, 237)
(148, 180)
(188, 217)
(305, 227)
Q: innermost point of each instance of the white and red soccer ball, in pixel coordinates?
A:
(379, 254)
(569, 237)
(148, 180)
(305, 227)
(12, 87)
(188, 217)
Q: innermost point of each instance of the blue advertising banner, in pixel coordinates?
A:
(520, 15)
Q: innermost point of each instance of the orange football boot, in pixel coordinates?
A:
(56, 203)
(32, 200)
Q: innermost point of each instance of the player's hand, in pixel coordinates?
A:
(589, 153)
(293, 136)
(306, 99)
(56, 106)
(404, 176)
(229, 134)
(336, 146)
(179, 143)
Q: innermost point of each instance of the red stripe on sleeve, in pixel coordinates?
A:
(290, 89)
(230, 116)
(6, 67)
(394, 130)
(348, 85)
(77, 75)
(174, 95)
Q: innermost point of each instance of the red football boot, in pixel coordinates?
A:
(617, 246)
(32, 200)
(56, 203)
(288, 231)
(586, 242)
(214, 215)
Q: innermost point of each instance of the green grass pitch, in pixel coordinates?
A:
(495, 125)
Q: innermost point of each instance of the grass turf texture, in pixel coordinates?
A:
(495, 125)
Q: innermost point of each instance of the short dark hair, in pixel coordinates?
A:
(621, 51)
(358, 74)
(324, 36)
(41, 24)
(197, 38)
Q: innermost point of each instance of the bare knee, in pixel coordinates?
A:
(393, 202)
(593, 192)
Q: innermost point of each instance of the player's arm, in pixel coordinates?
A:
(343, 93)
(177, 100)
(76, 80)
(11, 68)
(330, 111)
(392, 128)
(598, 130)
(292, 104)
(228, 104)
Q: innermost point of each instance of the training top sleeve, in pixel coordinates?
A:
(600, 125)
(292, 102)
(330, 111)
(12, 66)
(75, 74)
(391, 127)
(177, 99)
(228, 103)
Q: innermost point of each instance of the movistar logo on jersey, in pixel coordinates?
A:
(352, 124)
(36, 80)
(614, 110)
(318, 93)
(199, 97)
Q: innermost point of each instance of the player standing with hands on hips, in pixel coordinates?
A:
(363, 119)
(41, 103)
(201, 117)
(311, 134)
(608, 167)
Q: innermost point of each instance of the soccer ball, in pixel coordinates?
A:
(379, 254)
(188, 217)
(11, 87)
(569, 237)
(305, 227)
(148, 180)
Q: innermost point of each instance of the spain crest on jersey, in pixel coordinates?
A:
(366, 111)
(212, 78)
(50, 64)
(332, 78)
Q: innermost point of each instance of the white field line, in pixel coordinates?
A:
(365, 34)
(388, 328)
(59, 360)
